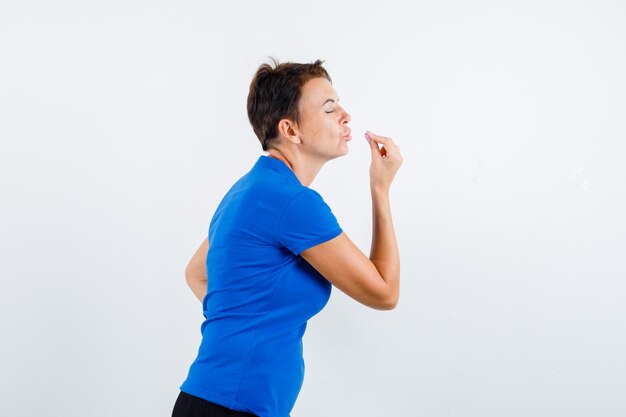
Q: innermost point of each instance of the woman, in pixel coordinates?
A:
(276, 250)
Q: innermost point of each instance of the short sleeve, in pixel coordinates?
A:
(306, 221)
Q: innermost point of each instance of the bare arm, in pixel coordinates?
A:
(384, 249)
(195, 273)
(373, 281)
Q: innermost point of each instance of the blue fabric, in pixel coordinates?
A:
(260, 291)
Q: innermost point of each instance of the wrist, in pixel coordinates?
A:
(379, 188)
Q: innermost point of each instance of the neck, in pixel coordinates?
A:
(305, 169)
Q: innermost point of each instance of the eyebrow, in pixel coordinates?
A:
(330, 100)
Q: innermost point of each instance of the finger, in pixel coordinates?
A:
(378, 138)
(373, 145)
(387, 145)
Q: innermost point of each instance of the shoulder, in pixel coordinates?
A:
(306, 221)
(304, 199)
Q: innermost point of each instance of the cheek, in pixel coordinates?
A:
(310, 124)
(331, 125)
(320, 127)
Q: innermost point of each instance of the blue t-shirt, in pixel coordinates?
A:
(261, 292)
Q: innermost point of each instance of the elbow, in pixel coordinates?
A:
(387, 299)
(391, 304)
(392, 296)
(194, 282)
(387, 304)
(191, 278)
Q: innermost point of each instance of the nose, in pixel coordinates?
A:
(346, 117)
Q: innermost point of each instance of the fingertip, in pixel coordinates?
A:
(372, 135)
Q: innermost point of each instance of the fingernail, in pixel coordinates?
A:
(367, 138)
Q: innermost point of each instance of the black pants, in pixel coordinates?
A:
(191, 406)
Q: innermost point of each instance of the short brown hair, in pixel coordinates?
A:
(275, 93)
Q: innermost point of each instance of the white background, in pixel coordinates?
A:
(123, 123)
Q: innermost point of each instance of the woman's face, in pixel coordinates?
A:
(323, 127)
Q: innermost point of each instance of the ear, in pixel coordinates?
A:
(288, 130)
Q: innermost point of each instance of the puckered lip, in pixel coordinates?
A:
(347, 135)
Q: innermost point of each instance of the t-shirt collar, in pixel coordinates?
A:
(278, 165)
